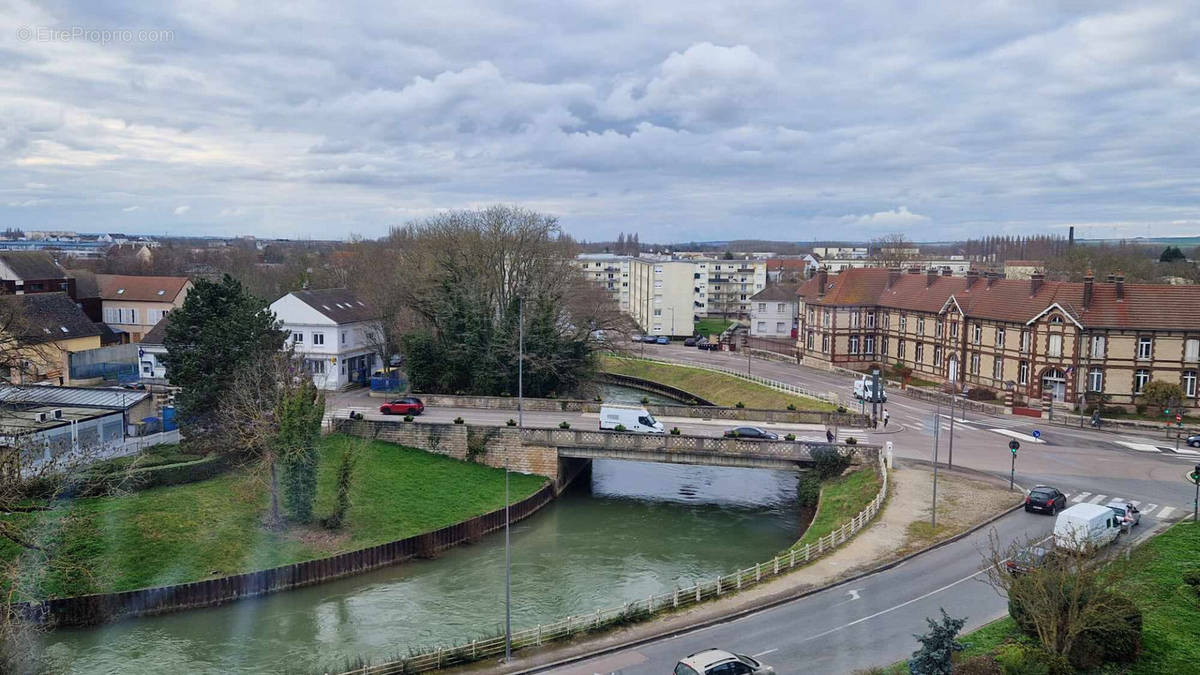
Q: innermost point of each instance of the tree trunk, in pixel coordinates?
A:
(275, 520)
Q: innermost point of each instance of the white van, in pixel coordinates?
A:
(635, 420)
(1085, 527)
(863, 391)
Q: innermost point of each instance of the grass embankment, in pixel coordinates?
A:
(1170, 608)
(711, 326)
(842, 498)
(215, 527)
(719, 388)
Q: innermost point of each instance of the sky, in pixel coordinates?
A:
(678, 120)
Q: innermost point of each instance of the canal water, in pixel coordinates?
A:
(632, 530)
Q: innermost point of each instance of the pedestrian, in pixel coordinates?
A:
(886, 416)
(828, 436)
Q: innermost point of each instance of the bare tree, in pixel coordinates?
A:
(892, 250)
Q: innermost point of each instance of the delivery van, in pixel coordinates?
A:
(634, 419)
(1086, 527)
(863, 391)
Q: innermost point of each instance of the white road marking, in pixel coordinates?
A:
(1165, 511)
(1136, 504)
(1080, 497)
(1140, 447)
(769, 651)
(1097, 499)
(1187, 451)
(1151, 507)
(1026, 438)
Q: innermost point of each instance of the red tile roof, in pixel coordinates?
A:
(139, 288)
(1149, 306)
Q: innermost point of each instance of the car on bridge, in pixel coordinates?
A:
(751, 432)
(1045, 499)
(721, 662)
(408, 405)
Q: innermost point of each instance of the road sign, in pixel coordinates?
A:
(1014, 445)
(1037, 434)
(1178, 417)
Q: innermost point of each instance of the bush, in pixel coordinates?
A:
(981, 395)
(841, 410)
(980, 664)
(619, 427)
(408, 418)
(598, 399)
(675, 431)
(808, 490)
(1140, 408)
(458, 420)
(564, 425)
(850, 440)
(645, 400)
(1023, 659)
(1119, 639)
(829, 462)
(791, 406)
(511, 422)
(739, 404)
(1192, 577)
(790, 437)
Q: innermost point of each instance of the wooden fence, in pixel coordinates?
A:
(638, 610)
(100, 608)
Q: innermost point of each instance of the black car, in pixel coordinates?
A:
(704, 344)
(752, 432)
(1028, 559)
(689, 342)
(1045, 499)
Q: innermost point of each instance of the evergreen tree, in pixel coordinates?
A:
(220, 329)
(1172, 254)
(299, 415)
(937, 647)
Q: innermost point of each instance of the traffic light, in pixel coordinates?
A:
(1194, 476)
(1014, 445)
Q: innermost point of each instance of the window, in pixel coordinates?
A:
(1054, 346)
(903, 323)
(900, 349)
(937, 356)
(1023, 372)
(297, 338)
(937, 331)
(920, 326)
(853, 344)
(887, 319)
(779, 307)
(854, 318)
(975, 363)
(1191, 350)
(1024, 341)
(954, 329)
(809, 341)
(1145, 347)
(318, 338)
(315, 366)
(999, 337)
(977, 333)
(1140, 377)
(657, 312)
(825, 343)
(147, 367)
(1055, 320)
(825, 317)
(762, 306)
(762, 326)
(779, 327)
(869, 344)
(1189, 383)
(883, 346)
(870, 319)
(920, 354)
(812, 316)
(997, 368)
(1097, 347)
(1096, 380)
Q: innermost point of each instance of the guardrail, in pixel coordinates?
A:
(638, 610)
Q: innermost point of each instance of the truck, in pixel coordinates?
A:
(633, 419)
(1085, 527)
(863, 391)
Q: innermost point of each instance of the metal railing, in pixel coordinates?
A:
(773, 384)
(638, 610)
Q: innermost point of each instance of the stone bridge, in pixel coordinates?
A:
(555, 453)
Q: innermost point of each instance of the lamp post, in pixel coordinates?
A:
(671, 309)
(520, 425)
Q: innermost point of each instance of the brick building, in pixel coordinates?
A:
(1108, 339)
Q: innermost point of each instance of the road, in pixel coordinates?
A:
(870, 622)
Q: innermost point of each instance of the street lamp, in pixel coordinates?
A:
(671, 309)
(520, 425)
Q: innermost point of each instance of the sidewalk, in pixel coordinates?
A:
(964, 501)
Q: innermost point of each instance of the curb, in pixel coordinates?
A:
(738, 614)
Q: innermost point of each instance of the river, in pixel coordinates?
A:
(633, 529)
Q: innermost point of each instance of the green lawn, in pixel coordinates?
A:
(719, 388)
(842, 498)
(188, 532)
(712, 326)
(1170, 608)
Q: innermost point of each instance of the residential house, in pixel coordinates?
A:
(42, 330)
(33, 272)
(1101, 341)
(151, 351)
(336, 334)
(774, 312)
(134, 304)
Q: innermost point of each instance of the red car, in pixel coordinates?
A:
(409, 405)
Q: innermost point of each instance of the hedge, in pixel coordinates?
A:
(93, 482)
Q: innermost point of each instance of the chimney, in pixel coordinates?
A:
(992, 276)
(1110, 278)
(1120, 285)
(1088, 282)
(946, 271)
(1035, 282)
(972, 277)
(893, 276)
(930, 276)
(822, 280)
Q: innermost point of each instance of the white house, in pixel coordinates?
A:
(334, 332)
(775, 311)
(151, 351)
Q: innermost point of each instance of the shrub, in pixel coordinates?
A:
(790, 437)
(511, 422)
(564, 425)
(739, 404)
(458, 420)
(980, 664)
(791, 406)
(841, 410)
(675, 431)
(981, 395)
(808, 490)
(645, 400)
(598, 399)
(408, 418)
(1023, 659)
(1140, 408)
(619, 427)
(1192, 577)
(829, 462)
(937, 646)
(1118, 639)
(850, 440)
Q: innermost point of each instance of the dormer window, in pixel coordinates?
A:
(162, 292)
(120, 291)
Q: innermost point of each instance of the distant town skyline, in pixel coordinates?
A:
(687, 122)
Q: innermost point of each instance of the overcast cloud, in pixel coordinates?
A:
(683, 120)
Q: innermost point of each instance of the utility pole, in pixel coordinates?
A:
(950, 460)
(937, 427)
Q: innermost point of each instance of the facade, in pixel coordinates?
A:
(723, 287)
(957, 264)
(1022, 269)
(661, 296)
(610, 272)
(134, 304)
(151, 351)
(56, 420)
(848, 252)
(1102, 342)
(774, 312)
(33, 272)
(44, 329)
(336, 334)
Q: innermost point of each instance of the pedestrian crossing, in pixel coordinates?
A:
(1160, 512)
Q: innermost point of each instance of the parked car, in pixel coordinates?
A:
(1028, 559)
(1045, 499)
(689, 342)
(636, 337)
(408, 405)
(721, 662)
(649, 339)
(1194, 440)
(663, 340)
(1085, 527)
(752, 432)
(705, 345)
(1128, 513)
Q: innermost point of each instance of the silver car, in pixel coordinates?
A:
(1128, 513)
(721, 662)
